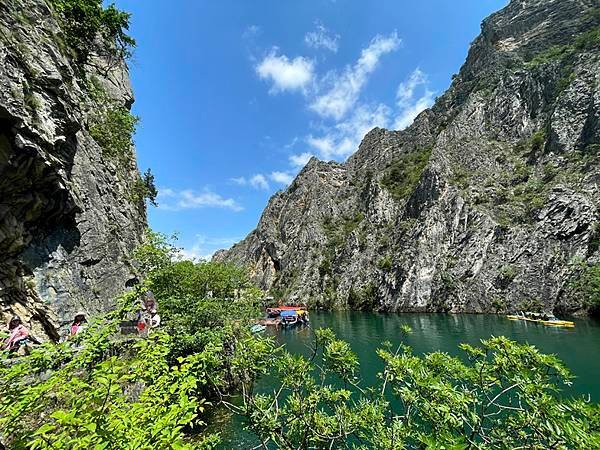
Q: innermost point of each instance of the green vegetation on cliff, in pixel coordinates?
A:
(93, 30)
(403, 175)
(587, 287)
(113, 130)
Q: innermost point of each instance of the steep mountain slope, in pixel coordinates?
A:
(69, 210)
(488, 202)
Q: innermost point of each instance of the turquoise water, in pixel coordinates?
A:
(578, 347)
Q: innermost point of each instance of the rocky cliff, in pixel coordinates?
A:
(487, 203)
(70, 213)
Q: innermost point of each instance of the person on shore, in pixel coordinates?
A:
(148, 314)
(18, 341)
(79, 323)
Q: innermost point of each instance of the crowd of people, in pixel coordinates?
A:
(20, 340)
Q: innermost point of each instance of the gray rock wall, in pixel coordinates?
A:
(502, 214)
(68, 221)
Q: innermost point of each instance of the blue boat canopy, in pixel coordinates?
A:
(288, 313)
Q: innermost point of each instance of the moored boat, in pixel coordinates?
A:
(289, 318)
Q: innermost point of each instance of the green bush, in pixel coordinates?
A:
(530, 197)
(92, 29)
(594, 243)
(403, 175)
(498, 304)
(195, 298)
(98, 392)
(589, 40)
(504, 397)
(508, 273)
(537, 142)
(113, 130)
(102, 390)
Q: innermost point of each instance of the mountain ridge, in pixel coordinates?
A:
(488, 202)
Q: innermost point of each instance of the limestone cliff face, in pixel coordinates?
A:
(68, 221)
(488, 202)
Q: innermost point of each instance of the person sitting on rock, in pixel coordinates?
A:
(18, 341)
(79, 323)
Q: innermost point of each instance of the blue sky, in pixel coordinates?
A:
(234, 96)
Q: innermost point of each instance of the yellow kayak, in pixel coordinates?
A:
(559, 323)
(550, 323)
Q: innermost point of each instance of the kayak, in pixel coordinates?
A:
(550, 322)
(258, 328)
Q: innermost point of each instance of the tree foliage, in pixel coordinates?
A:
(101, 393)
(196, 298)
(506, 396)
(145, 188)
(587, 287)
(113, 130)
(91, 29)
(102, 390)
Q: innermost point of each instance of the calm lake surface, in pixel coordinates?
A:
(578, 347)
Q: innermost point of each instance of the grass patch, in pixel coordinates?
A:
(385, 263)
(550, 55)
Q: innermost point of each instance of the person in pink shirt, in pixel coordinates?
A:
(79, 323)
(19, 335)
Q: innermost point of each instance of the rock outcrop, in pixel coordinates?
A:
(68, 219)
(489, 202)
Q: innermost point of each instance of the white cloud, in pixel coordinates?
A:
(300, 160)
(343, 138)
(251, 31)
(292, 143)
(285, 74)
(346, 87)
(240, 180)
(345, 117)
(203, 248)
(321, 37)
(406, 89)
(259, 181)
(409, 105)
(172, 200)
(282, 177)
